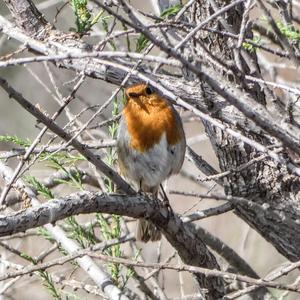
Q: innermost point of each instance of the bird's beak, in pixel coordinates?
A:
(140, 103)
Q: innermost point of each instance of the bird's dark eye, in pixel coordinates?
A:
(149, 91)
(133, 95)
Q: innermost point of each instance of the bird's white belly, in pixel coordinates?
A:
(147, 168)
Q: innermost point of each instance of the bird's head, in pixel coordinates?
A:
(141, 93)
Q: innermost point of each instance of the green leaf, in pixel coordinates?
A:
(141, 43)
(82, 15)
(39, 187)
(171, 11)
(289, 32)
(84, 19)
(15, 139)
(45, 276)
(250, 47)
(85, 237)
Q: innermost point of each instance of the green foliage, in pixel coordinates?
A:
(130, 270)
(74, 180)
(82, 15)
(39, 187)
(84, 20)
(15, 139)
(289, 32)
(58, 159)
(112, 231)
(113, 131)
(250, 47)
(42, 231)
(171, 11)
(46, 278)
(84, 236)
(63, 156)
(142, 41)
(49, 284)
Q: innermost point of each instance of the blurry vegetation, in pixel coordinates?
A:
(142, 41)
(84, 19)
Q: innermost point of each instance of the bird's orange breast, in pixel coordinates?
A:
(148, 120)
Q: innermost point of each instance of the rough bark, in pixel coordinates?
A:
(183, 237)
(266, 182)
(28, 17)
(191, 249)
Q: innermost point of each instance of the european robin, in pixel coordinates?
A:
(151, 146)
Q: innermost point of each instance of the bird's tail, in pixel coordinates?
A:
(147, 231)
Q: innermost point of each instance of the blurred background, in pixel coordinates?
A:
(35, 83)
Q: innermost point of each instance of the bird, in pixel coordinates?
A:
(151, 146)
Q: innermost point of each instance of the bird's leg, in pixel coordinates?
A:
(154, 196)
(166, 201)
(140, 187)
(147, 192)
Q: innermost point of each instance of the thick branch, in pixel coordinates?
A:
(28, 17)
(253, 184)
(182, 236)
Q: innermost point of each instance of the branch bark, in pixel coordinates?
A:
(183, 237)
(191, 250)
(28, 17)
(269, 182)
(99, 276)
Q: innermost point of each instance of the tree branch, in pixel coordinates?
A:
(28, 17)
(99, 276)
(182, 236)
